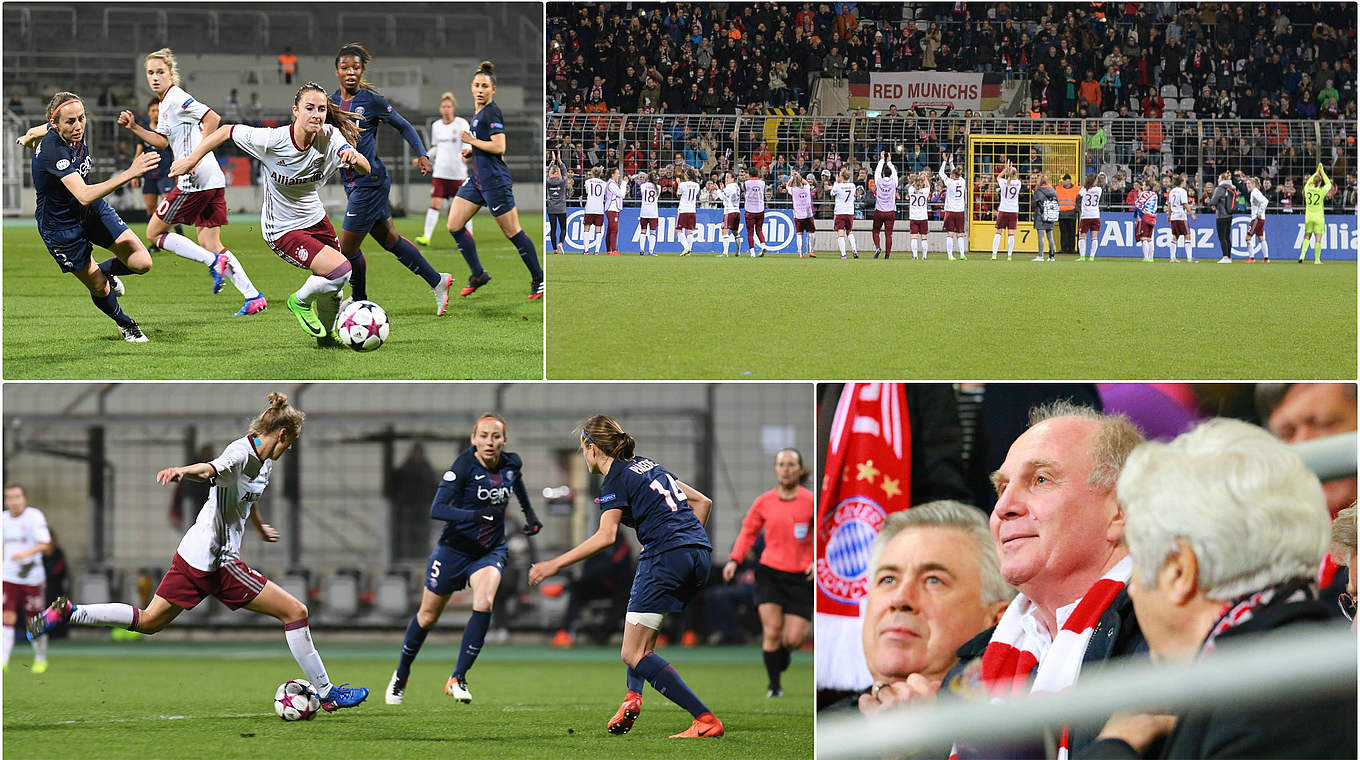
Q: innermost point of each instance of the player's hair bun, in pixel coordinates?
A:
(277, 400)
(486, 67)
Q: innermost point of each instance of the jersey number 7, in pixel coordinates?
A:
(672, 495)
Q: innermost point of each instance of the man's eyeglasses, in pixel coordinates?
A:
(1347, 604)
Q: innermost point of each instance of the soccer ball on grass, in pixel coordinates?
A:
(296, 700)
(362, 325)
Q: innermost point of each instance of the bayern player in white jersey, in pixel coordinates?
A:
(592, 221)
(1008, 212)
(208, 559)
(804, 228)
(450, 161)
(955, 196)
(649, 215)
(1145, 224)
(1256, 232)
(297, 159)
(615, 190)
(731, 199)
(1089, 200)
(687, 212)
(885, 205)
(843, 218)
(199, 197)
(918, 205)
(1177, 206)
(27, 539)
(754, 188)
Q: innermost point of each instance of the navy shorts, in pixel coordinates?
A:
(155, 184)
(72, 247)
(498, 200)
(367, 207)
(450, 569)
(666, 582)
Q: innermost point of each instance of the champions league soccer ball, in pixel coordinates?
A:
(296, 700)
(362, 325)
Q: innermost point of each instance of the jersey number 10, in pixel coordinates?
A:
(673, 495)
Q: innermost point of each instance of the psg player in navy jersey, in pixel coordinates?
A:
(73, 216)
(669, 518)
(472, 500)
(369, 212)
(489, 186)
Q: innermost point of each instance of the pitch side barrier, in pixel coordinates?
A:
(1284, 233)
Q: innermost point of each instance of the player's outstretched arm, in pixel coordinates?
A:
(412, 138)
(155, 139)
(209, 142)
(200, 472)
(356, 160)
(701, 504)
(601, 540)
(266, 531)
(87, 194)
(34, 135)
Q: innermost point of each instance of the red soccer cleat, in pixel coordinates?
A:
(622, 722)
(706, 726)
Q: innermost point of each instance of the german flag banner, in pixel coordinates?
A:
(878, 91)
(867, 476)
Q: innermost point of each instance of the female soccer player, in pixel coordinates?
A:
(955, 195)
(490, 186)
(208, 560)
(1008, 210)
(199, 196)
(885, 205)
(615, 190)
(472, 499)
(73, 217)
(1145, 224)
(754, 185)
(686, 211)
(1177, 206)
(369, 211)
(592, 221)
(1256, 232)
(297, 158)
(450, 161)
(784, 575)
(804, 227)
(918, 208)
(649, 222)
(1089, 198)
(731, 198)
(669, 518)
(1315, 193)
(844, 214)
(27, 539)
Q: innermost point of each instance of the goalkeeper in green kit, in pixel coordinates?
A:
(1318, 187)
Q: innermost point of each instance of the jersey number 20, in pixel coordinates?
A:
(672, 495)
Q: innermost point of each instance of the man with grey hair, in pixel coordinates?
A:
(933, 584)
(1225, 527)
(1056, 528)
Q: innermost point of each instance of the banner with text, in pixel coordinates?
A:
(1284, 236)
(879, 90)
(778, 228)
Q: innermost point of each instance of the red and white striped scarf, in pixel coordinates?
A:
(1020, 645)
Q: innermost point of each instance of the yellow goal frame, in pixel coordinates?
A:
(1057, 154)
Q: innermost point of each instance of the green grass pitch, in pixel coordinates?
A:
(53, 331)
(215, 700)
(781, 317)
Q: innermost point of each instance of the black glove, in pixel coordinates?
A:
(490, 515)
(532, 525)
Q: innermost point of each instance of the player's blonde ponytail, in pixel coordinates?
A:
(278, 415)
(607, 435)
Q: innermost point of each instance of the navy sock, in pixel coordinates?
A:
(772, 667)
(664, 679)
(408, 254)
(358, 276)
(525, 246)
(473, 637)
(415, 637)
(114, 266)
(109, 305)
(468, 247)
(635, 681)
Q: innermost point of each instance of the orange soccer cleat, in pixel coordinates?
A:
(705, 726)
(689, 640)
(562, 640)
(622, 722)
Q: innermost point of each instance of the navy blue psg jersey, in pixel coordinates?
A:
(489, 168)
(59, 214)
(653, 504)
(373, 110)
(469, 487)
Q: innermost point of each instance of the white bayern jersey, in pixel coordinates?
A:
(918, 202)
(1258, 204)
(844, 193)
(731, 198)
(239, 481)
(955, 190)
(1010, 195)
(595, 195)
(689, 196)
(1089, 198)
(291, 200)
(181, 121)
(802, 201)
(885, 194)
(649, 195)
(22, 533)
(1176, 202)
(613, 195)
(755, 195)
(446, 148)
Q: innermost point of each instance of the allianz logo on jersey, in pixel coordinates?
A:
(496, 495)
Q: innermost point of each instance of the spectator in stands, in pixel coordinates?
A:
(107, 99)
(231, 108)
(15, 105)
(1305, 411)
(1201, 582)
(288, 66)
(1089, 94)
(255, 110)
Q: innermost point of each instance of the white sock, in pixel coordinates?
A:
(238, 276)
(7, 643)
(316, 285)
(431, 217)
(915, 248)
(39, 650)
(949, 246)
(840, 240)
(851, 238)
(1265, 247)
(1189, 251)
(107, 615)
(1010, 245)
(1081, 246)
(1173, 249)
(925, 248)
(599, 240)
(300, 642)
(798, 241)
(996, 243)
(183, 246)
(1094, 245)
(810, 240)
(726, 242)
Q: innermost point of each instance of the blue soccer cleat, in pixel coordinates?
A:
(218, 271)
(342, 696)
(253, 306)
(59, 612)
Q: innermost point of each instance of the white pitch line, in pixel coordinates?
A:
(157, 717)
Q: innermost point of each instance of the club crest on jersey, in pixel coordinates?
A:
(800, 531)
(359, 110)
(843, 573)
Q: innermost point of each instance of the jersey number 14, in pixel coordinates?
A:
(673, 495)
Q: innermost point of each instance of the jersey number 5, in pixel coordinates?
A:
(672, 495)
